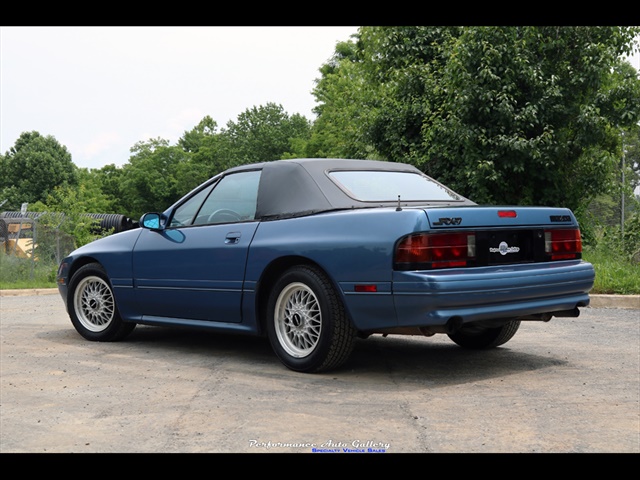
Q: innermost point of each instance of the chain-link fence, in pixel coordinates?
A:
(32, 244)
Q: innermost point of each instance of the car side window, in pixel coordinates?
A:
(185, 213)
(232, 199)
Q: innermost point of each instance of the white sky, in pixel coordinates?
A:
(100, 90)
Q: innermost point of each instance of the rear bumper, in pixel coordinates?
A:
(469, 295)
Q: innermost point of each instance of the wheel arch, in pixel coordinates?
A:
(76, 265)
(79, 263)
(269, 276)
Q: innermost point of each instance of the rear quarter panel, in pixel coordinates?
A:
(351, 246)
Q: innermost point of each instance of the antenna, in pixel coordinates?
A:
(398, 208)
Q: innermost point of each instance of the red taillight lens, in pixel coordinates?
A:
(441, 250)
(563, 244)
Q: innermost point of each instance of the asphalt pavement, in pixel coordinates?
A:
(565, 386)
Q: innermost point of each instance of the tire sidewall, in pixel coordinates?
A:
(114, 328)
(316, 358)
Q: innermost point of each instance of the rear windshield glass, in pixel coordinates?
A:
(377, 186)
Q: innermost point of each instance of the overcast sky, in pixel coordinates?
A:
(100, 90)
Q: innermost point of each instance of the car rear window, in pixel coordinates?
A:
(381, 186)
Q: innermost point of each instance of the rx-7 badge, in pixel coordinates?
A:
(448, 221)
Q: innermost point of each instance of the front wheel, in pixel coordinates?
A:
(478, 338)
(307, 324)
(92, 306)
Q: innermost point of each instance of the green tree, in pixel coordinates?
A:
(63, 223)
(207, 155)
(376, 92)
(149, 178)
(192, 140)
(32, 168)
(346, 103)
(85, 197)
(259, 134)
(262, 134)
(532, 114)
(527, 115)
(109, 179)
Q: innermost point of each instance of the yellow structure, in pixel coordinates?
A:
(21, 247)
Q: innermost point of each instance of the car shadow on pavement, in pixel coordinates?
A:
(409, 361)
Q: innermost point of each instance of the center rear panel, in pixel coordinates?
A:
(503, 247)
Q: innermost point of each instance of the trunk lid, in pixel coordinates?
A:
(491, 217)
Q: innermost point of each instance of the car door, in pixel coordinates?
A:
(194, 268)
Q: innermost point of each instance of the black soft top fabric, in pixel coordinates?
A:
(296, 187)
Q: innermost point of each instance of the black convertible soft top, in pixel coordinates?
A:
(297, 187)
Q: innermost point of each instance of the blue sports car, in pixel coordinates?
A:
(315, 253)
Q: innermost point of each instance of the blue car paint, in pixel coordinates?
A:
(157, 280)
(484, 216)
(193, 273)
(472, 294)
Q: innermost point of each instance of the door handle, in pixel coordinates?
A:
(232, 238)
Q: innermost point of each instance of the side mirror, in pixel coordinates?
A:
(152, 221)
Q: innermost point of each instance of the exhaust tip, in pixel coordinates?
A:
(575, 312)
(453, 325)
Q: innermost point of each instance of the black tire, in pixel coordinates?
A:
(92, 306)
(307, 324)
(479, 338)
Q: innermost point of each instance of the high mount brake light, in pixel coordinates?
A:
(440, 250)
(563, 244)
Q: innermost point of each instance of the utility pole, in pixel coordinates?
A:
(622, 190)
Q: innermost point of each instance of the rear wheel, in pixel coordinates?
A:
(307, 324)
(92, 306)
(477, 338)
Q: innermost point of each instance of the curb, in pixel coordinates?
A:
(597, 301)
(33, 291)
(615, 301)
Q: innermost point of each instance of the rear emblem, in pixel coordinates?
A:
(504, 248)
(448, 221)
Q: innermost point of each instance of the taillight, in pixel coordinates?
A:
(562, 244)
(439, 250)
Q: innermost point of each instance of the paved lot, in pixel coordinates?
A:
(570, 385)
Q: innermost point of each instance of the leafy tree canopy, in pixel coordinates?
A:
(33, 167)
(148, 181)
(264, 133)
(515, 115)
(74, 203)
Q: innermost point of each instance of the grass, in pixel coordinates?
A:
(614, 274)
(24, 273)
(26, 284)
